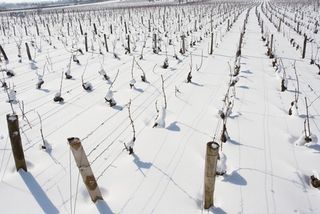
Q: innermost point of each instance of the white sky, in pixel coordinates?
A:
(18, 1)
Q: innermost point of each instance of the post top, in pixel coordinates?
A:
(213, 144)
(74, 142)
(12, 117)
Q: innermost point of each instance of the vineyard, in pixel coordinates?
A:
(108, 108)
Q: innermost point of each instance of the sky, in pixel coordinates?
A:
(19, 1)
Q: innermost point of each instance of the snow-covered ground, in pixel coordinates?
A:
(266, 170)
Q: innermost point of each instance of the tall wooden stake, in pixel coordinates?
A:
(85, 169)
(210, 173)
(105, 42)
(86, 42)
(304, 46)
(49, 33)
(28, 52)
(211, 46)
(95, 28)
(128, 43)
(15, 139)
(3, 54)
(271, 43)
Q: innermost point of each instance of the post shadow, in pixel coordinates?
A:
(103, 207)
(41, 197)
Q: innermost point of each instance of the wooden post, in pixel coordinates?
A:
(81, 31)
(304, 46)
(238, 53)
(28, 52)
(155, 41)
(125, 28)
(105, 42)
(228, 25)
(271, 43)
(3, 54)
(37, 28)
(4, 31)
(15, 139)
(211, 46)
(86, 42)
(49, 33)
(128, 43)
(279, 26)
(183, 44)
(85, 169)
(110, 29)
(25, 29)
(212, 154)
(95, 28)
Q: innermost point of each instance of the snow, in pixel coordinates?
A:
(268, 164)
(109, 95)
(12, 96)
(161, 119)
(222, 163)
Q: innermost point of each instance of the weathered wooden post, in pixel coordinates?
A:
(155, 49)
(211, 46)
(3, 54)
(49, 33)
(125, 28)
(4, 31)
(25, 29)
(228, 27)
(238, 53)
(105, 42)
(85, 169)
(279, 26)
(271, 43)
(212, 154)
(28, 52)
(86, 42)
(304, 46)
(15, 139)
(111, 29)
(128, 44)
(95, 28)
(37, 28)
(81, 31)
(183, 48)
